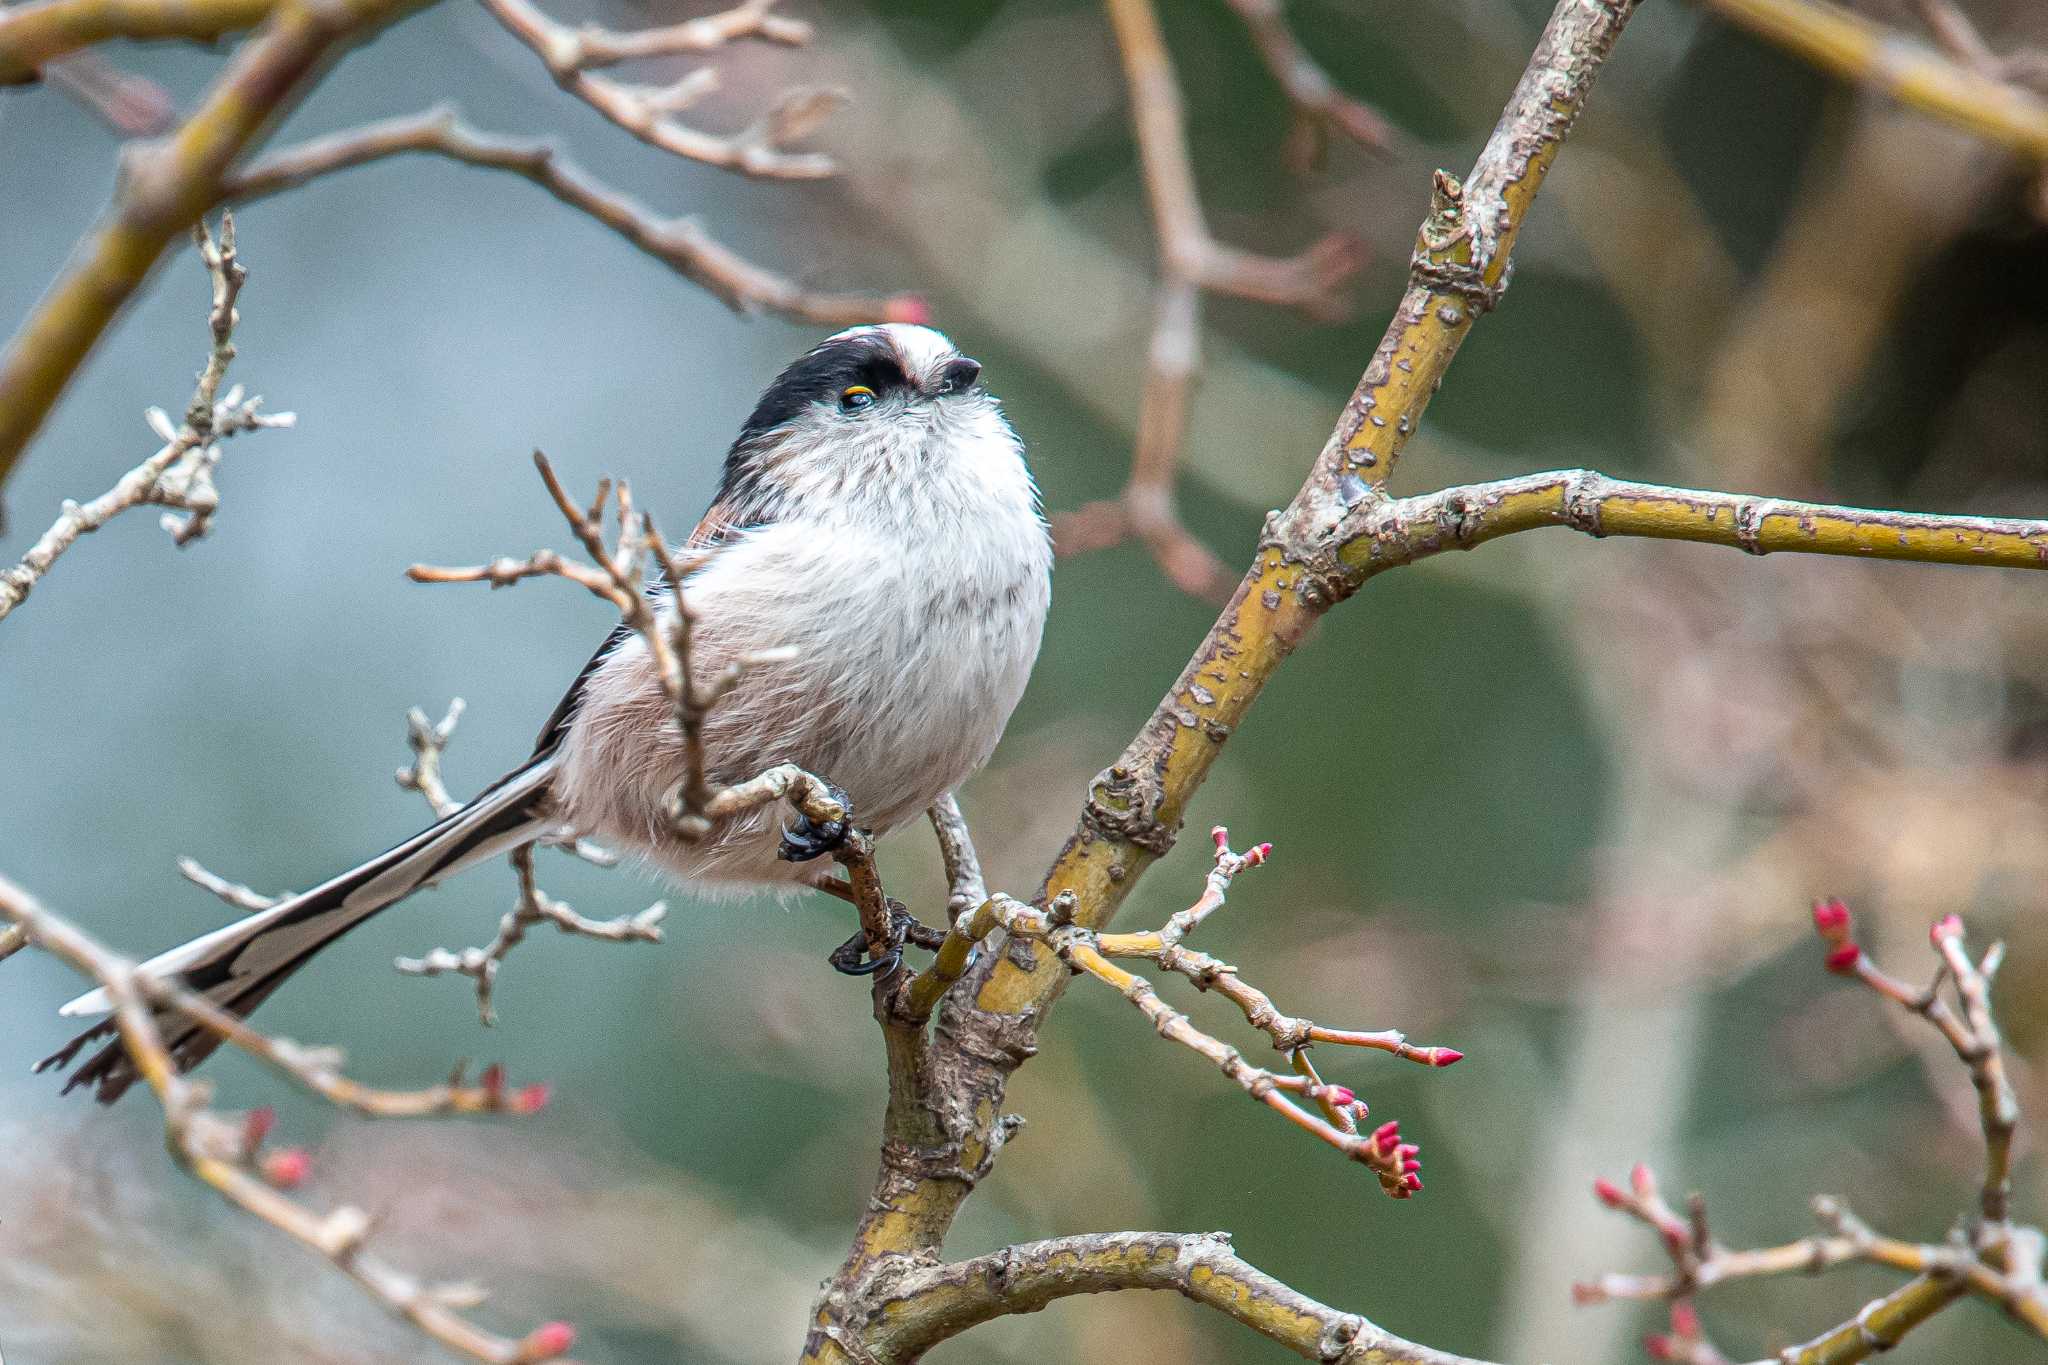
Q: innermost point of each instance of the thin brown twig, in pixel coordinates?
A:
(1191, 262)
(179, 477)
(1319, 106)
(762, 149)
(131, 105)
(682, 244)
(221, 1152)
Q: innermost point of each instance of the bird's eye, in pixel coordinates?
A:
(858, 397)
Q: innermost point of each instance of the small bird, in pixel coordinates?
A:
(876, 534)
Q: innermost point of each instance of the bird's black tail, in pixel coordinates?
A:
(239, 965)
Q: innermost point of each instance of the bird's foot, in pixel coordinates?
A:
(904, 927)
(806, 840)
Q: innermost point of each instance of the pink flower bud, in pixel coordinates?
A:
(1949, 926)
(1387, 1133)
(1586, 1295)
(531, 1099)
(1221, 835)
(288, 1167)
(1660, 1347)
(1842, 961)
(547, 1341)
(1642, 1180)
(1831, 918)
(1609, 1193)
(1412, 1182)
(492, 1082)
(1444, 1056)
(1685, 1320)
(1340, 1096)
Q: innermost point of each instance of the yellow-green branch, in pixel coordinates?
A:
(31, 35)
(1908, 71)
(1399, 531)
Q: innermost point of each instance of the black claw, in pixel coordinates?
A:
(846, 958)
(805, 840)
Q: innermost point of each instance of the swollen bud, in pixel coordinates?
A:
(531, 1099)
(1842, 961)
(547, 1341)
(287, 1168)
(1609, 1193)
(1831, 918)
(1949, 926)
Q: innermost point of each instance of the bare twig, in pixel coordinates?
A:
(759, 150)
(534, 906)
(1989, 1257)
(225, 1154)
(591, 46)
(965, 888)
(1191, 261)
(180, 475)
(682, 244)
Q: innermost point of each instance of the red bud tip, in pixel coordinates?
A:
(1608, 1193)
(256, 1126)
(1842, 961)
(1220, 835)
(1685, 1320)
(1340, 1096)
(1409, 1165)
(1831, 918)
(1949, 926)
(1444, 1056)
(547, 1341)
(909, 308)
(1586, 1295)
(1676, 1238)
(288, 1167)
(1660, 1347)
(492, 1082)
(1406, 1150)
(1387, 1133)
(1259, 854)
(1412, 1183)
(531, 1099)
(1642, 1180)
(1401, 1192)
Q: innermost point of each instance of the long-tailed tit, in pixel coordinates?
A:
(877, 526)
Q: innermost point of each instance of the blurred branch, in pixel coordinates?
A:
(227, 1155)
(131, 105)
(180, 475)
(929, 1304)
(1988, 1256)
(647, 113)
(164, 188)
(1191, 261)
(1385, 534)
(34, 34)
(1319, 106)
(682, 244)
(1859, 50)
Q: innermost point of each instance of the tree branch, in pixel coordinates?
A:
(31, 35)
(1379, 535)
(928, 1304)
(1319, 106)
(221, 1152)
(1191, 262)
(760, 150)
(180, 475)
(682, 244)
(163, 190)
(1871, 55)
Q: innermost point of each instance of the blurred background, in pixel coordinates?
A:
(1560, 804)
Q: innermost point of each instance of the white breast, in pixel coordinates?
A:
(914, 602)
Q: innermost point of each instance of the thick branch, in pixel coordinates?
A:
(925, 1305)
(31, 35)
(682, 244)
